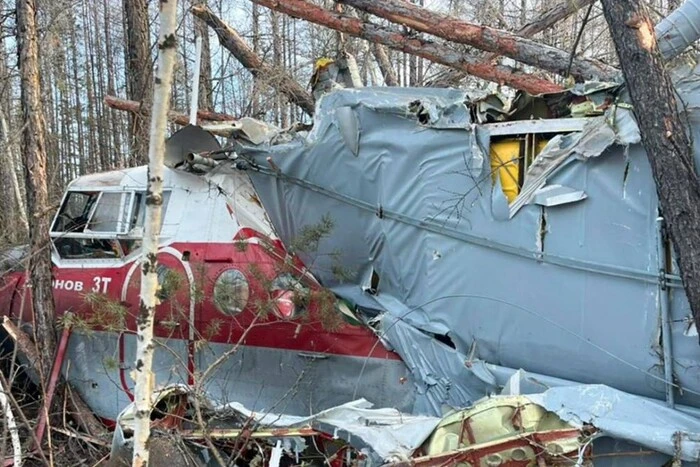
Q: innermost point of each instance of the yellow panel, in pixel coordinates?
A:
(505, 163)
(541, 143)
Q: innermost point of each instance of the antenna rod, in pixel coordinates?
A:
(194, 103)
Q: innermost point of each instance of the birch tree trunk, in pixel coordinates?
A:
(34, 151)
(11, 426)
(154, 204)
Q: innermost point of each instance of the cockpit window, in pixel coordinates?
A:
(75, 212)
(101, 225)
(107, 213)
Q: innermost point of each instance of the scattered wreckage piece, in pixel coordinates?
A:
(501, 430)
(430, 50)
(504, 430)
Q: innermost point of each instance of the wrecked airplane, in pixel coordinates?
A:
(507, 292)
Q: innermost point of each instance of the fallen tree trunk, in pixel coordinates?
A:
(485, 38)
(663, 135)
(432, 51)
(175, 117)
(274, 76)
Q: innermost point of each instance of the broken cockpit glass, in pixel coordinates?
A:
(100, 224)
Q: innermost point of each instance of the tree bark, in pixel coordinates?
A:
(175, 117)
(432, 51)
(663, 135)
(277, 78)
(138, 72)
(485, 38)
(34, 151)
(154, 204)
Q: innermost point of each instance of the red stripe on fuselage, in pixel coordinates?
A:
(256, 261)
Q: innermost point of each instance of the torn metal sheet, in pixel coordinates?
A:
(597, 134)
(679, 29)
(445, 378)
(381, 434)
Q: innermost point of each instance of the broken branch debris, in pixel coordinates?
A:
(79, 409)
(485, 38)
(175, 117)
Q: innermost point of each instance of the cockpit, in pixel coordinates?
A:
(105, 224)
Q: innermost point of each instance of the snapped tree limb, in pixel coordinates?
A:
(663, 135)
(485, 38)
(432, 51)
(274, 76)
(175, 117)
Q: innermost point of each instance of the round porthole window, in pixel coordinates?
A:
(286, 290)
(231, 292)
